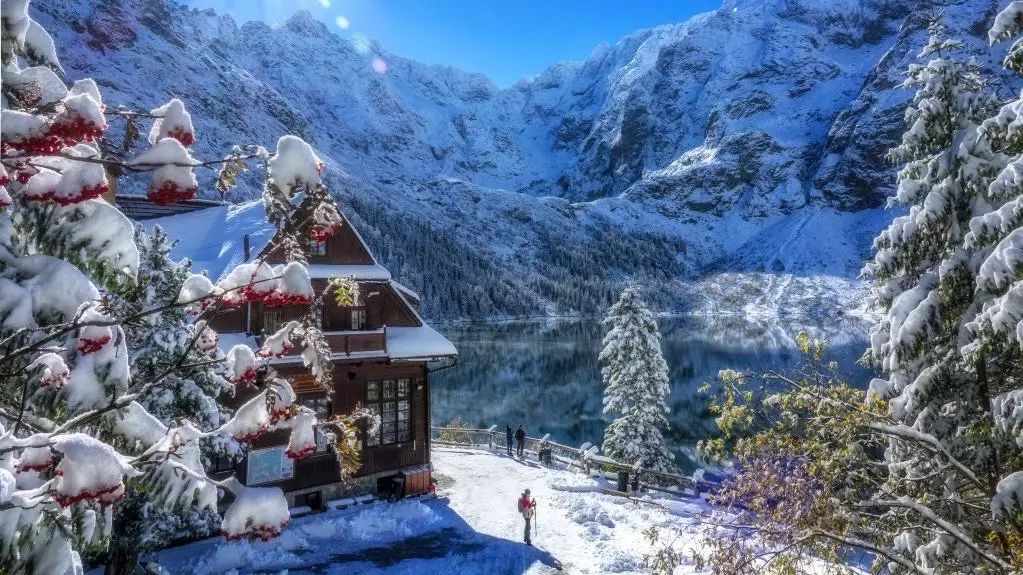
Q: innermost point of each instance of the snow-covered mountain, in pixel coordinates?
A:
(749, 139)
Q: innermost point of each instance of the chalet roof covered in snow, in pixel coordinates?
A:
(213, 237)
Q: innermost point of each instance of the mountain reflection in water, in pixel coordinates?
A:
(544, 374)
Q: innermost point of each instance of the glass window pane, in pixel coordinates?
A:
(403, 425)
(403, 387)
(373, 391)
(390, 438)
(389, 388)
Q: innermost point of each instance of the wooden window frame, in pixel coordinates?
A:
(317, 247)
(396, 424)
(272, 327)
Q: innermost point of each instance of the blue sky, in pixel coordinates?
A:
(505, 39)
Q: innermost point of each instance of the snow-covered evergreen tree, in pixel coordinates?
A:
(80, 421)
(156, 341)
(635, 386)
(926, 269)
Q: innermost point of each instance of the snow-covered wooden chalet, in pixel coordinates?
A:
(383, 353)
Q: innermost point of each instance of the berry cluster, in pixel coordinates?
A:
(104, 496)
(72, 129)
(285, 350)
(247, 377)
(301, 452)
(64, 131)
(168, 193)
(321, 232)
(89, 345)
(182, 135)
(275, 298)
(40, 467)
(250, 437)
(87, 193)
(58, 380)
(260, 533)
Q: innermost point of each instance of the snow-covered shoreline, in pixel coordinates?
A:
(470, 527)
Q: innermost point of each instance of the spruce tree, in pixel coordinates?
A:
(635, 386)
(938, 386)
(156, 341)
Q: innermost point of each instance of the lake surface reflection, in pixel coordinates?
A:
(544, 374)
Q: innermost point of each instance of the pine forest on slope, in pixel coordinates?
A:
(734, 158)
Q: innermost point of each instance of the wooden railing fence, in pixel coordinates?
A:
(584, 457)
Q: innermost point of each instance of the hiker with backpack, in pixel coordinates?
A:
(520, 437)
(509, 440)
(527, 507)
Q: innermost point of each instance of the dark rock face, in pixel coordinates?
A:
(707, 134)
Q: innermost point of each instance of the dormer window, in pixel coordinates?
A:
(317, 247)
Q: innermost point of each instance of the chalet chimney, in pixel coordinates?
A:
(245, 246)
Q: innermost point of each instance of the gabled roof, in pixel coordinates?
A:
(213, 239)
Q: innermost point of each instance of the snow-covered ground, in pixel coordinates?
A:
(472, 526)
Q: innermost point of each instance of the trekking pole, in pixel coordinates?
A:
(534, 518)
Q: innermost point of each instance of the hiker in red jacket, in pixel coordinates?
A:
(527, 507)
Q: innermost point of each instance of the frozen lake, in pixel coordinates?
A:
(544, 374)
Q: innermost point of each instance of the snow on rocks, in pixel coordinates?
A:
(172, 121)
(88, 470)
(256, 513)
(172, 180)
(295, 164)
(241, 365)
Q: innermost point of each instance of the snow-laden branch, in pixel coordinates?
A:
(906, 432)
(929, 514)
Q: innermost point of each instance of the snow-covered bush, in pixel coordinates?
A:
(635, 386)
(107, 385)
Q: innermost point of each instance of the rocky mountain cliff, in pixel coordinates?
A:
(749, 139)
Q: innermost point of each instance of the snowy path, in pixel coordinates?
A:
(472, 528)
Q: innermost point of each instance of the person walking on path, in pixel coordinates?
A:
(527, 507)
(509, 440)
(520, 436)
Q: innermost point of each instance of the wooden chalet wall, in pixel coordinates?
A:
(349, 391)
(384, 306)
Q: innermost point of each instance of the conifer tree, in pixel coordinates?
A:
(635, 386)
